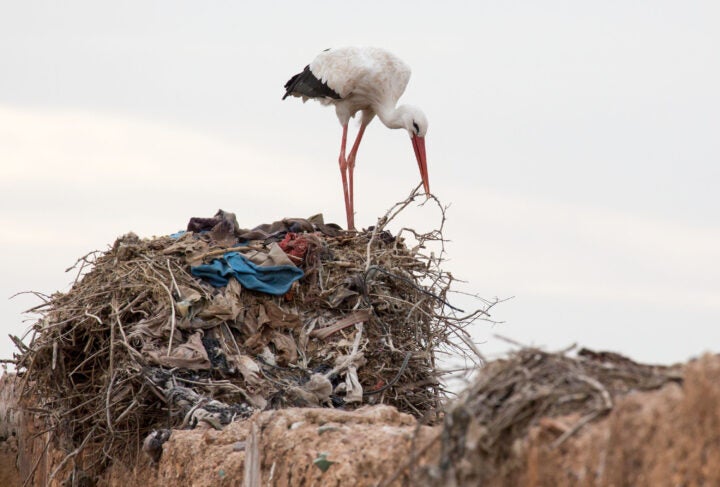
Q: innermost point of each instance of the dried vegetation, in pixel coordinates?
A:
(484, 427)
(138, 343)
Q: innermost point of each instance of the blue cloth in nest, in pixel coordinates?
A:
(271, 280)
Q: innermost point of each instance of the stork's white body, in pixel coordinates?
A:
(366, 79)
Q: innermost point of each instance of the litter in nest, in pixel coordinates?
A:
(176, 332)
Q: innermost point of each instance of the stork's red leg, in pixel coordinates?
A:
(351, 165)
(343, 172)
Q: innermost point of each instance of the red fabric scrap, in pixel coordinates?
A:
(295, 246)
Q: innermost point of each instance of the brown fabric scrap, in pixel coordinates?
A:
(274, 256)
(271, 315)
(222, 218)
(280, 319)
(286, 348)
(299, 397)
(192, 248)
(353, 388)
(189, 297)
(340, 294)
(189, 355)
(196, 324)
(315, 392)
(299, 225)
(249, 369)
(320, 386)
(329, 229)
(156, 325)
(225, 306)
(266, 322)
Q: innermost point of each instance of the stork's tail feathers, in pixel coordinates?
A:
(290, 85)
(306, 84)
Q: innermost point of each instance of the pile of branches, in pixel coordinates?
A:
(510, 395)
(139, 343)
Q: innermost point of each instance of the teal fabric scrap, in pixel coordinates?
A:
(274, 280)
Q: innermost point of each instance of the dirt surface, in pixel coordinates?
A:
(9, 422)
(361, 447)
(669, 436)
(9, 474)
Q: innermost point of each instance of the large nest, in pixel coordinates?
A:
(482, 428)
(140, 343)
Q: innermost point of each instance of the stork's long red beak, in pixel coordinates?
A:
(419, 146)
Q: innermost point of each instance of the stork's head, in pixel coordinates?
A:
(414, 119)
(416, 124)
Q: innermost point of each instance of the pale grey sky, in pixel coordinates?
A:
(576, 141)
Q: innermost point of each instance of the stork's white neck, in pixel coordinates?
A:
(392, 117)
(407, 117)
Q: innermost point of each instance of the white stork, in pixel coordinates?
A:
(364, 79)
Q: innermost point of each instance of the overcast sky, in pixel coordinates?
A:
(577, 142)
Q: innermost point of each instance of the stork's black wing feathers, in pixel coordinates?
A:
(307, 84)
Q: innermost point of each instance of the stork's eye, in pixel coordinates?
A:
(417, 129)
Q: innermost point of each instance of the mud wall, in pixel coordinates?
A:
(667, 437)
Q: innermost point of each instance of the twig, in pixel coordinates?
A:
(576, 427)
(172, 316)
(111, 371)
(405, 279)
(43, 297)
(37, 460)
(251, 477)
(353, 318)
(353, 354)
(70, 455)
(394, 379)
(468, 341)
(511, 341)
(19, 344)
(606, 407)
(172, 276)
